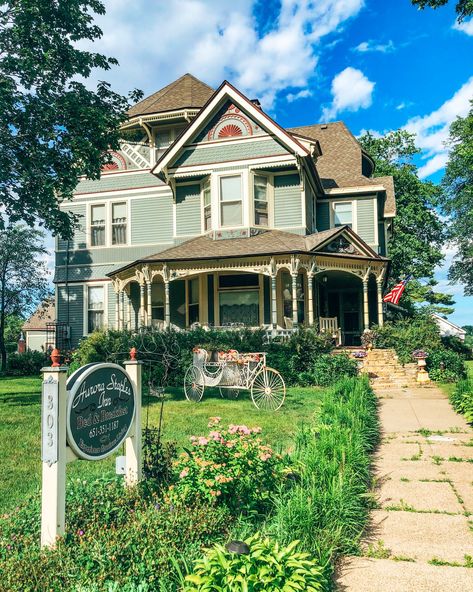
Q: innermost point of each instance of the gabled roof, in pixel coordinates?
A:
(225, 92)
(45, 313)
(340, 165)
(268, 242)
(185, 92)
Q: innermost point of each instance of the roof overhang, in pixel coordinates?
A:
(224, 93)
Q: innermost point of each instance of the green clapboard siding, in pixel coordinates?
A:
(74, 295)
(365, 220)
(381, 239)
(287, 201)
(83, 273)
(188, 216)
(116, 182)
(222, 153)
(151, 219)
(322, 216)
(79, 240)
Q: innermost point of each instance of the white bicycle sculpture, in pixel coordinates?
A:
(233, 372)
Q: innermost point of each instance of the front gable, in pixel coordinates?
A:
(229, 128)
(345, 242)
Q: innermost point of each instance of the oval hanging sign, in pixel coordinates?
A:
(100, 410)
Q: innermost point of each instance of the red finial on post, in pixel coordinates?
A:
(55, 357)
(133, 354)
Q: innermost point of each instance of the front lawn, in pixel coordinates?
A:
(20, 428)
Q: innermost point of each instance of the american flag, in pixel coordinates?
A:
(395, 294)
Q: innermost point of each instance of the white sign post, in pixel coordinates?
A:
(102, 413)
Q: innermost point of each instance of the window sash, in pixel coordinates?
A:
(97, 225)
(119, 223)
(343, 214)
(95, 308)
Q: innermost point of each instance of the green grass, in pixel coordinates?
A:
(20, 428)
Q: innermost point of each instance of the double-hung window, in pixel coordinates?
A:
(97, 226)
(207, 207)
(231, 201)
(260, 192)
(119, 223)
(193, 300)
(343, 213)
(95, 308)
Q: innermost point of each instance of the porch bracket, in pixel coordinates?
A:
(366, 312)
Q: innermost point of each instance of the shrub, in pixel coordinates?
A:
(266, 567)
(462, 399)
(230, 467)
(327, 369)
(328, 509)
(454, 365)
(28, 363)
(455, 344)
(172, 350)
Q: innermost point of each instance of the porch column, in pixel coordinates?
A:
(117, 311)
(310, 296)
(129, 306)
(142, 305)
(149, 304)
(122, 310)
(379, 286)
(274, 312)
(366, 312)
(294, 299)
(167, 310)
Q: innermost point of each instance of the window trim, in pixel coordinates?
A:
(354, 212)
(206, 184)
(86, 287)
(269, 198)
(241, 200)
(112, 223)
(108, 223)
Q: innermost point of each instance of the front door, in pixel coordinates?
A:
(351, 317)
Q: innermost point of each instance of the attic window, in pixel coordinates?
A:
(342, 214)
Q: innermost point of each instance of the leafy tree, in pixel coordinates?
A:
(13, 324)
(463, 8)
(53, 128)
(418, 236)
(23, 276)
(457, 199)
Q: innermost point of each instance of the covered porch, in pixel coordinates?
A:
(276, 292)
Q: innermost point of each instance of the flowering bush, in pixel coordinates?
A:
(228, 466)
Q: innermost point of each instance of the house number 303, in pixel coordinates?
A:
(49, 422)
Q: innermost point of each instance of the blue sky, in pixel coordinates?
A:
(377, 65)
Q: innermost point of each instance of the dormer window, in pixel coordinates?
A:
(207, 207)
(260, 192)
(343, 213)
(231, 201)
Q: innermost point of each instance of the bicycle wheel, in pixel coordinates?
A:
(194, 384)
(268, 390)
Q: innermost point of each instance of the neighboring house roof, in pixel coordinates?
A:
(340, 165)
(448, 325)
(185, 92)
(45, 313)
(268, 242)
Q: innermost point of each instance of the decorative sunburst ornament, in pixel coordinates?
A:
(117, 163)
(229, 131)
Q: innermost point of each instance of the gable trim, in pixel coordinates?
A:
(352, 237)
(227, 90)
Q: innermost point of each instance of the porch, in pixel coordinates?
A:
(277, 292)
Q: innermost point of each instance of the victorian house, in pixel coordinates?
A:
(212, 213)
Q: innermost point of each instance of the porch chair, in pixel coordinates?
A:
(330, 325)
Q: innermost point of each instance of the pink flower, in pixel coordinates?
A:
(213, 421)
(184, 473)
(265, 456)
(202, 441)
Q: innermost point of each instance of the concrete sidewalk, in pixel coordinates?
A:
(420, 538)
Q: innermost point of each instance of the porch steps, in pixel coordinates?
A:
(386, 372)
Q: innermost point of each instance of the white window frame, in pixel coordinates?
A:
(243, 200)
(88, 285)
(206, 184)
(127, 221)
(354, 212)
(108, 223)
(269, 198)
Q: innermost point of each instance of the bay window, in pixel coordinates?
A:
(260, 192)
(342, 214)
(119, 223)
(97, 226)
(231, 201)
(95, 308)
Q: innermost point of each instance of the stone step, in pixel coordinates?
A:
(360, 574)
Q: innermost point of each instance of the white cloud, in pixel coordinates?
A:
(464, 27)
(372, 46)
(432, 130)
(302, 94)
(351, 90)
(155, 42)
